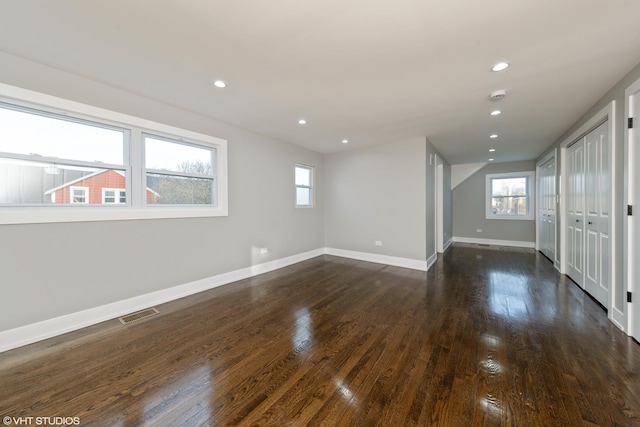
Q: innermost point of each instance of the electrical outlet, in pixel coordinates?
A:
(264, 250)
(378, 243)
(478, 230)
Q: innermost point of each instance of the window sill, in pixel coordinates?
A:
(71, 214)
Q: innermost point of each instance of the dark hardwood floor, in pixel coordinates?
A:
(487, 337)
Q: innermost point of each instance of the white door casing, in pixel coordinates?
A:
(631, 233)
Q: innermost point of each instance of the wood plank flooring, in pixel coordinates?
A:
(486, 337)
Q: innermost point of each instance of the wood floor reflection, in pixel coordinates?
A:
(486, 337)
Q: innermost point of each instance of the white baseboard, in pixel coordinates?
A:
(432, 260)
(513, 243)
(447, 245)
(379, 259)
(39, 331)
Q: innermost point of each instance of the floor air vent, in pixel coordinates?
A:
(139, 315)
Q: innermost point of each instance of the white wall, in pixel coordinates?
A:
(48, 270)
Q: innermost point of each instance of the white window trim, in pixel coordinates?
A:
(137, 208)
(116, 197)
(310, 187)
(85, 190)
(530, 175)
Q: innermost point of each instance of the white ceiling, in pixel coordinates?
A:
(371, 71)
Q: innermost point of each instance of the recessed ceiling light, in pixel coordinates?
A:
(302, 122)
(493, 136)
(496, 112)
(491, 150)
(220, 84)
(491, 160)
(500, 66)
(345, 141)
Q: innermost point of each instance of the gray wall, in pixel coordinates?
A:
(469, 211)
(384, 193)
(377, 193)
(616, 93)
(48, 270)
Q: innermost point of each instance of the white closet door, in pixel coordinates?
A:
(546, 209)
(575, 212)
(598, 201)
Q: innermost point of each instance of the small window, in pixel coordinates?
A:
(510, 196)
(114, 196)
(79, 195)
(304, 186)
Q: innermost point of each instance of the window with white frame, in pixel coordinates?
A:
(114, 196)
(178, 172)
(304, 186)
(57, 154)
(43, 154)
(510, 195)
(79, 195)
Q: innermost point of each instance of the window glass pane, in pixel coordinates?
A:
(303, 176)
(177, 190)
(79, 195)
(33, 134)
(303, 196)
(39, 183)
(509, 187)
(509, 205)
(164, 155)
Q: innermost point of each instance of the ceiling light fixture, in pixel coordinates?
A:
(302, 122)
(496, 112)
(219, 84)
(491, 160)
(345, 141)
(500, 66)
(491, 150)
(493, 136)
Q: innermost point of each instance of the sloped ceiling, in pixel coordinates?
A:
(369, 71)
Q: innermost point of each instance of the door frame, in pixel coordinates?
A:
(551, 155)
(630, 269)
(608, 113)
(439, 230)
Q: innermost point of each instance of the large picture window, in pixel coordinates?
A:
(510, 195)
(63, 161)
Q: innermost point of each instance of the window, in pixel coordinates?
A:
(113, 196)
(79, 195)
(64, 161)
(179, 173)
(510, 196)
(43, 154)
(304, 186)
